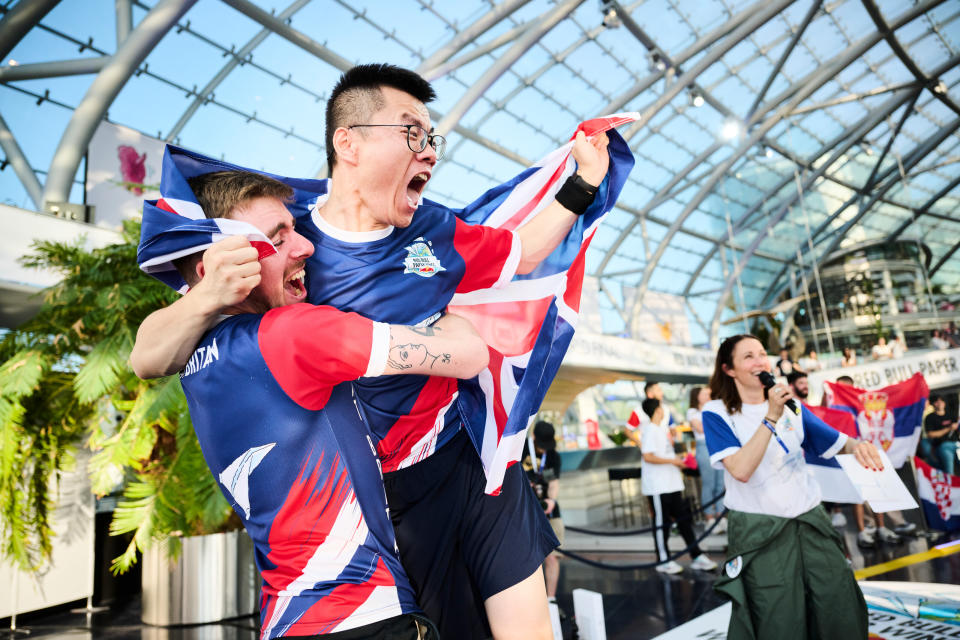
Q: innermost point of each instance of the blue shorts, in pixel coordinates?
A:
(458, 545)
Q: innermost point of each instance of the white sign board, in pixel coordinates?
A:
(120, 161)
(623, 354)
(894, 610)
(940, 368)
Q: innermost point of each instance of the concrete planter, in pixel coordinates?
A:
(213, 579)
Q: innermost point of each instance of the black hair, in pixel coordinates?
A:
(793, 376)
(650, 385)
(357, 96)
(649, 406)
(845, 380)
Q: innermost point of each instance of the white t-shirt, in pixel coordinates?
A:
(781, 485)
(658, 479)
(882, 352)
(638, 418)
(693, 414)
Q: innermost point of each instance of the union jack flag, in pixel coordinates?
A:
(528, 323)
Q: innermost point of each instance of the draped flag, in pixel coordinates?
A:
(833, 481)
(528, 323)
(890, 418)
(939, 495)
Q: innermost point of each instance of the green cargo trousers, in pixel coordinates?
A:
(788, 578)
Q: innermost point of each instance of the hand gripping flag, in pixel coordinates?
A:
(528, 323)
(890, 418)
(939, 495)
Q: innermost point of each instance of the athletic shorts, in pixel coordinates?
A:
(458, 545)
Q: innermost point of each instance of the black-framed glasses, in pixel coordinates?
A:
(417, 137)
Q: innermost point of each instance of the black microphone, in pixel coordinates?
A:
(766, 379)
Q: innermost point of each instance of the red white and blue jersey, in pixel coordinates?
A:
(408, 277)
(298, 466)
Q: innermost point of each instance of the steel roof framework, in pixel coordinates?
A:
(495, 47)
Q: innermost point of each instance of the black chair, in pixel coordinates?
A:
(619, 498)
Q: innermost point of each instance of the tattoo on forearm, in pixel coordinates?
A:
(407, 356)
(425, 331)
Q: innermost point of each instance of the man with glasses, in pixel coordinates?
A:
(383, 253)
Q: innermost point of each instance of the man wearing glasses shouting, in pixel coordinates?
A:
(385, 254)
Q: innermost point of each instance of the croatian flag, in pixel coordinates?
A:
(940, 496)
(528, 323)
(890, 418)
(835, 486)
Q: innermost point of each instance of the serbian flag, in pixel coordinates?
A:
(528, 323)
(890, 418)
(939, 495)
(834, 483)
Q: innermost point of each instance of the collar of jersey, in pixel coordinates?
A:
(355, 237)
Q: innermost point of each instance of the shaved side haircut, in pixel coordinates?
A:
(357, 96)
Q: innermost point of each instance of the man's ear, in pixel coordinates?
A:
(344, 146)
(200, 270)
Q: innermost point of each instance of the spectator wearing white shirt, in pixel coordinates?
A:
(711, 480)
(638, 418)
(662, 482)
(881, 350)
(937, 341)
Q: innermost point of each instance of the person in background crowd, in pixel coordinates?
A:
(543, 471)
(898, 348)
(849, 357)
(638, 418)
(662, 483)
(937, 340)
(845, 380)
(812, 363)
(786, 572)
(942, 434)
(785, 365)
(711, 480)
(881, 350)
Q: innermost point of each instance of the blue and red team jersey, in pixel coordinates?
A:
(407, 276)
(302, 475)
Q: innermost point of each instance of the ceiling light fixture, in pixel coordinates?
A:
(696, 98)
(610, 18)
(731, 129)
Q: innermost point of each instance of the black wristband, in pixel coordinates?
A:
(576, 194)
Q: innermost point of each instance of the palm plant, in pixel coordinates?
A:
(65, 383)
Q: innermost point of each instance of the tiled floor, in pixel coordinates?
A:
(638, 604)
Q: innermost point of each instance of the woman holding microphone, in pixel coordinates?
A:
(786, 572)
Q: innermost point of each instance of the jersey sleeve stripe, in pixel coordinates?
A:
(836, 447)
(379, 350)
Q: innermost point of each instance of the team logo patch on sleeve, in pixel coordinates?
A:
(420, 259)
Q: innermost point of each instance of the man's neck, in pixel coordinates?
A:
(345, 208)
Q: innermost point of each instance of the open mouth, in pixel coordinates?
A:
(295, 285)
(416, 186)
